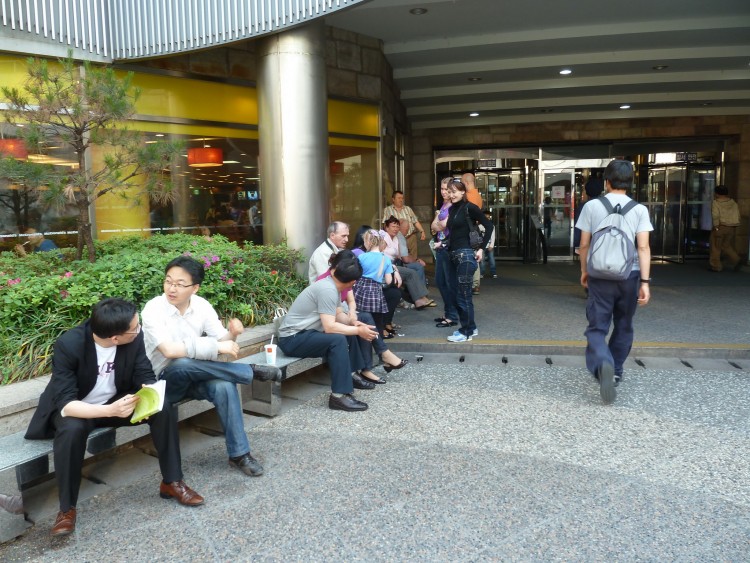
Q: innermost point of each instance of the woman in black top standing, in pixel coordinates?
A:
(464, 259)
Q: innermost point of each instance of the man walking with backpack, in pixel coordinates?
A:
(615, 267)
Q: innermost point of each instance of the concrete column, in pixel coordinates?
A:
(293, 127)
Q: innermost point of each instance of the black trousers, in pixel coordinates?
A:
(70, 446)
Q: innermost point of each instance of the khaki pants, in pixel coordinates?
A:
(722, 242)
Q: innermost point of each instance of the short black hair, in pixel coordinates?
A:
(191, 266)
(112, 316)
(620, 174)
(335, 259)
(721, 189)
(348, 270)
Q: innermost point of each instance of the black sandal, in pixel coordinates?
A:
(445, 323)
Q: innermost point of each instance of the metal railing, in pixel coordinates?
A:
(130, 29)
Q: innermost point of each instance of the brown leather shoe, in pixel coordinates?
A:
(65, 523)
(180, 491)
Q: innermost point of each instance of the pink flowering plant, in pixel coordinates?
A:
(41, 298)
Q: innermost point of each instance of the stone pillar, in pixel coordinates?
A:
(293, 128)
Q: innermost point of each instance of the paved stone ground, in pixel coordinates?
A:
(454, 462)
(502, 456)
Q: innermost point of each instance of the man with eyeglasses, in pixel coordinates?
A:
(184, 338)
(336, 239)
(97, 368)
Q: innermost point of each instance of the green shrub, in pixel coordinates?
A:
(42, 295)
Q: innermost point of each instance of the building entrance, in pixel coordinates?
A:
(533, 194)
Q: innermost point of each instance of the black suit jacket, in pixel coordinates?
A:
(74, 373)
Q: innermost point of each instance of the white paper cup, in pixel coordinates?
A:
(270, 353)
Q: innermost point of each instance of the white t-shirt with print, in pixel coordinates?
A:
(104, 389)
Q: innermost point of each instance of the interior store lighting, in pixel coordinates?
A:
(205, 157)
(14, 147)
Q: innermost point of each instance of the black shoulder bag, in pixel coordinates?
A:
(476, 240)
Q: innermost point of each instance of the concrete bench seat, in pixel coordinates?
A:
(264, 397)
(23, 462)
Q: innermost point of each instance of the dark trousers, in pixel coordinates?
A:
(610, 303)
(443, 268)
(341, 353)
(392, 297)
(70, 446)
(461, 279)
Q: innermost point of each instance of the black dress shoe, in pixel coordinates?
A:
(266, 373)
(346, 403)
(247, 464)
(360, 382)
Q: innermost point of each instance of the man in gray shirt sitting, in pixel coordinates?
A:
(316, 326)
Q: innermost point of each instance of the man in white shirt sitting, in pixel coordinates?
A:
(337, 239)
(184, 337)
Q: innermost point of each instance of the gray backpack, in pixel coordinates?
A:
(612, 251)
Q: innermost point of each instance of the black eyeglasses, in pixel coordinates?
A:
(170, 283)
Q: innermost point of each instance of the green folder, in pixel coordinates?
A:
(151, 401)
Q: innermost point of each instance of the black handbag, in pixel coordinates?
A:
(476, 240)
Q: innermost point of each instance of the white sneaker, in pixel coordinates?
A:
(476, 332)
(458, 337)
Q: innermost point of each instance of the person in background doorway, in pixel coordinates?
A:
(489, 254)
(725, 216)
(594, 188)
(400, 211)
(547, 212)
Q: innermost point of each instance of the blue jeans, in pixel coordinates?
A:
(489, 256)
(442, 280)
(341, 353)
(214, 382)
(461, 275)
(610, 302)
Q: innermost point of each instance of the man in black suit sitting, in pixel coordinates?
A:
(96, 369)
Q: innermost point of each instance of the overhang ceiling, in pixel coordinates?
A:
(502, 59)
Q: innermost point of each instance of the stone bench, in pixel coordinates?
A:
(24, 462)
(264, 397)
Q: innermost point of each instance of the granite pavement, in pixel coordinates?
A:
(472, 452)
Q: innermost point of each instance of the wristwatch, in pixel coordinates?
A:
(646, 281)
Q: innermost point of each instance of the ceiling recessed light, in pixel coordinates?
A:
(159, 135)
(625, 106)
(566, 71)
(660, 67)
(474, 78)
(474, 114)
(706, 104)
(418, 11)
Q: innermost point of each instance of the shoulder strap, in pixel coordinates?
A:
(607, 205)
(382, 267)
(628, 206)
